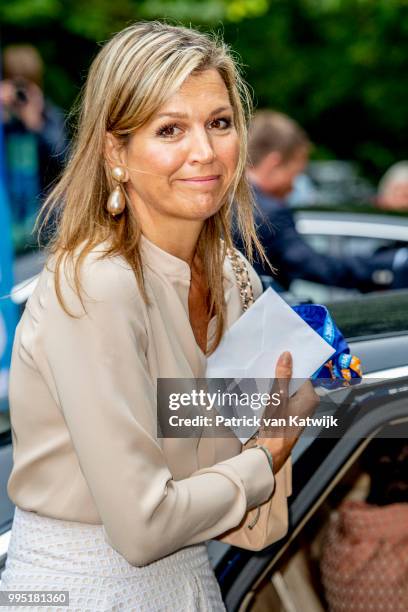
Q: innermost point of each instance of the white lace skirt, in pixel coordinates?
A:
(52, 555)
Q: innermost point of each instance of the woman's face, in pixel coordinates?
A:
(182, 161)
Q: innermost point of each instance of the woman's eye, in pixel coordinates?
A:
(172, 130)
(221, 123)
(168, 131)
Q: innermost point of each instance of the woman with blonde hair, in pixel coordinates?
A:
(138, 286)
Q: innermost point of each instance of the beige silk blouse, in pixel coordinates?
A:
(83, 411)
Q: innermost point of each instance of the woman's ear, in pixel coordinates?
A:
(115, 153)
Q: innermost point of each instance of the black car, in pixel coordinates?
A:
(325, 469)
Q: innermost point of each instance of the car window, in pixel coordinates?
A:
(301, 291)
(373, 314)
(364, 246)
(323, 243)
(339, 246)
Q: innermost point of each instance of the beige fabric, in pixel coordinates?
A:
(269, 521)
(83, 412)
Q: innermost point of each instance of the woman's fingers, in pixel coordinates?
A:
(280, 387)
(303, 403)
(284, 366)
(306, 400)
(283, 374)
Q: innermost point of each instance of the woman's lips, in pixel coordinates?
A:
(201, 179)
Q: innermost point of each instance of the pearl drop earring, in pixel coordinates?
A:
(116, 202)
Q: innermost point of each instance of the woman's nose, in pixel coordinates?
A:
(201, 147)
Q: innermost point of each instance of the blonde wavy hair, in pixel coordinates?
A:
(129, 80)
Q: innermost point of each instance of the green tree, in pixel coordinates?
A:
(337, 66)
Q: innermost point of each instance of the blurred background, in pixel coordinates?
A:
(338, 67)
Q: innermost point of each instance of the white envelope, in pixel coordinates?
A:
(250, 348)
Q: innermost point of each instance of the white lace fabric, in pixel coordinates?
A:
(47, 554)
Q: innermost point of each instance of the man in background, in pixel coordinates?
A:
(278, 152)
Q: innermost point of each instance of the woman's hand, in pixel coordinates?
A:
(303, 403)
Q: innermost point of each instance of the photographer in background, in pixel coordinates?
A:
(278, 152)
(35, 139)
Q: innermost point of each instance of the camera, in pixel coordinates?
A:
(20, 91)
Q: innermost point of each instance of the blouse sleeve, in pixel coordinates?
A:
(95, 366)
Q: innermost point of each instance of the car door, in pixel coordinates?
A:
(320, 462)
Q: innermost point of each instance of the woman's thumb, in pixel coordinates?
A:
(284, 366)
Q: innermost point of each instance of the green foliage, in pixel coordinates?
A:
(208, 11)
(96, 19)
(26, 12)
(237, 10)
(338, 66)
